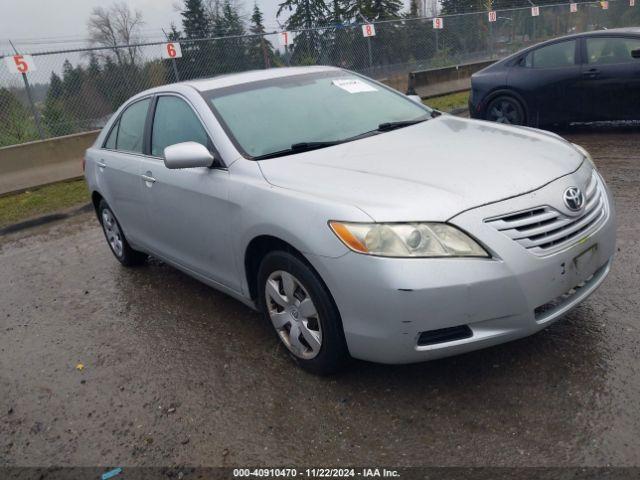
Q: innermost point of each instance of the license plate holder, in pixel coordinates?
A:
(584, 260)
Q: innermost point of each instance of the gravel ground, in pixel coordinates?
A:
(178, 374)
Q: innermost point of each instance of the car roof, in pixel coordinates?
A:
(233, 79)
(635, 31)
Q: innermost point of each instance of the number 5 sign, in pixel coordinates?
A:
(171, 50)
(20, 64)
(368, 30)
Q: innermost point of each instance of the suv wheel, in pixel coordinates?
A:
(298, 305)
(121, 249)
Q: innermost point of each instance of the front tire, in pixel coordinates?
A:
(505, 109)
(116, 240)
(293, 298)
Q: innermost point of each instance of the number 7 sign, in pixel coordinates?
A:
(20, 64)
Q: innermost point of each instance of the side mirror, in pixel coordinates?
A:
(415, 98)
(187, 155)
(635, 53)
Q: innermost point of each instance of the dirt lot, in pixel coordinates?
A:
(178, 374)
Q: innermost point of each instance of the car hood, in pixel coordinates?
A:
(430, 171)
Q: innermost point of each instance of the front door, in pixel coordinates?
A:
(187, 209)
(611, 78)
(548, 77)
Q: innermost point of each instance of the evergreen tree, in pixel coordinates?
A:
(56, 119)
(17, 124)
(195, 22)
(230, 53)
(305, 15)
(197, 56)
(375, 10)
(259, 49)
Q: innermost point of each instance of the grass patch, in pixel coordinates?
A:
(446, 103)
(50, 199)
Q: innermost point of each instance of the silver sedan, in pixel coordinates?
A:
(360, 222)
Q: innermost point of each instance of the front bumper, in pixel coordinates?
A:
(386, 303)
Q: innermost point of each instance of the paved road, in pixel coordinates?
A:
(176, 373)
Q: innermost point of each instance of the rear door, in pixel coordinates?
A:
(611, 77)
(188, 209)
(118, 169)
(547, 78)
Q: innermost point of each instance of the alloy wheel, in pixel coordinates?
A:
(505, 111)
(293, 314)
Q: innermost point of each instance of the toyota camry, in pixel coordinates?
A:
(358, 221)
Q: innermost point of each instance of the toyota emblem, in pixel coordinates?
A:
(573, 198)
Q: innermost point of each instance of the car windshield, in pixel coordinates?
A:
(302, 112)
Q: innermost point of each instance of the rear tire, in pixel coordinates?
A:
(293, 298)
(505, 109)
(116, 240)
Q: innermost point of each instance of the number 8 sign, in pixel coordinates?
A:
(20, 64)
(368, 30)
(171, 50)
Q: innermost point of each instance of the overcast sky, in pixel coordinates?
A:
(55, 23)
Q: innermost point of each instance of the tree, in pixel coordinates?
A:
(16, 124)
(198, 56)
(230, 53)
(115, 27)
(195, 21)
(259, 49)
(375, 10)
(54, 115)
(305, 15)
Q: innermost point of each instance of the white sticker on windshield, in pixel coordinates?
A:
(353, 85)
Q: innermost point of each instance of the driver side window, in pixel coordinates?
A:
(175, 122)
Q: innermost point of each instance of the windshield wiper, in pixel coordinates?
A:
(388, 126)
(299, 148)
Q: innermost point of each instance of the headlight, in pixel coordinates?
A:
(586, 154)
(407, 239)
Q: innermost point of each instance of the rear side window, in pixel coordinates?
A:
(603, 51)
(175, 122)
(130, 136)
(557, 55)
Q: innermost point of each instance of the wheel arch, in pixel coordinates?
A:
(96, 197)
(509, 92)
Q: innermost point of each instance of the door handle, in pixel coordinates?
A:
(101, 164)
(591, 73)
(148, 179)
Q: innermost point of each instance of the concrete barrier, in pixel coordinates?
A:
(40, 163)
(441, 81)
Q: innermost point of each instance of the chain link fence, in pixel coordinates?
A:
(70, 91)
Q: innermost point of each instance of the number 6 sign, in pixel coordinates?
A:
(171, 50)
(20, 64)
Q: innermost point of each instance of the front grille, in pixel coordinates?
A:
(545, 230)
(443, 335)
